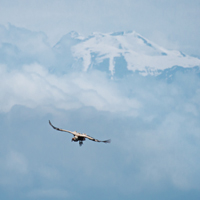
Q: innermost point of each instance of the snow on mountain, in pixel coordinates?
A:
(123, 52)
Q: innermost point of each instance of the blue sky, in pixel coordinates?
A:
(172, 24)
(153, 124)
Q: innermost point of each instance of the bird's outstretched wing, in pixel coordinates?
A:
(59, 129)
(79, 134)
(95, 140)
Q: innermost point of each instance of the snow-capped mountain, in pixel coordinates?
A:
(120, 53)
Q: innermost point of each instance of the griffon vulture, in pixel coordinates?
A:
(79, 136)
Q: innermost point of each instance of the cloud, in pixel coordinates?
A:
(176, 20)
(16, 162)
(21, 46)
(153, 125)
(49, 193)
(33, 85)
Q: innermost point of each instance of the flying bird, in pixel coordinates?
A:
(79, 136)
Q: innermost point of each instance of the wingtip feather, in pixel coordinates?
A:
(107, 141)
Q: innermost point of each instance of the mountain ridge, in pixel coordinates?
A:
(105, 51)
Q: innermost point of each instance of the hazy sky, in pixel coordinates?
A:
(153, 123)
(173, 24)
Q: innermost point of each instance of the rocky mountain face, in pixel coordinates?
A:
(120, 53)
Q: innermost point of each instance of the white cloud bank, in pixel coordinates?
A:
(34, 86)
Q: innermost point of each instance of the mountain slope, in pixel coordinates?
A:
(124, 52)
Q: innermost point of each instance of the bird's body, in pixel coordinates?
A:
(79, 136)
